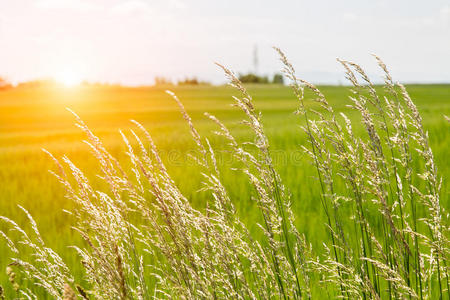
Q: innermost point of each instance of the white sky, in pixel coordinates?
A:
(131, 41)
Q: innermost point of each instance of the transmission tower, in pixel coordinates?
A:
(255, 60)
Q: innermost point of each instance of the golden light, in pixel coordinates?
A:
(68, 69)
(69, 77)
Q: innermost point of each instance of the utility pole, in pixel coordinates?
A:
(255, 60)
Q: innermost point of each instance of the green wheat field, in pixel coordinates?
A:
(32, 118)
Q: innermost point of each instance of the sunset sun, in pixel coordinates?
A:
(69, 77)
(68, 69)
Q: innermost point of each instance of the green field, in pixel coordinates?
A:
(35, 118)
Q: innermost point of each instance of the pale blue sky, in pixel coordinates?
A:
(131, 41)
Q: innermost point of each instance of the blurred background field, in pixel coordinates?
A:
(32, 118)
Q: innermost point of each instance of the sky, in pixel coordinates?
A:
(132, 41)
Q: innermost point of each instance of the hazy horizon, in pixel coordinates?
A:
(132, 41)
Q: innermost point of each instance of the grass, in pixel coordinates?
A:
(36, 118)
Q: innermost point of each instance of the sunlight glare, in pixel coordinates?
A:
(69, 78)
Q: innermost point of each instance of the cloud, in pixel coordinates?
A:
(445, 10)
(177, 4)
(445, 13)
(439, 19)
(132, 7)
(348, 16)
(78, 5)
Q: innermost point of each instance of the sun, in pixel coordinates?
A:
(69, 77)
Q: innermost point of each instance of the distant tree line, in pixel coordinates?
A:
(159, 80)
(244, 78)
(5, 84)
(192, 81)
(254, 78)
